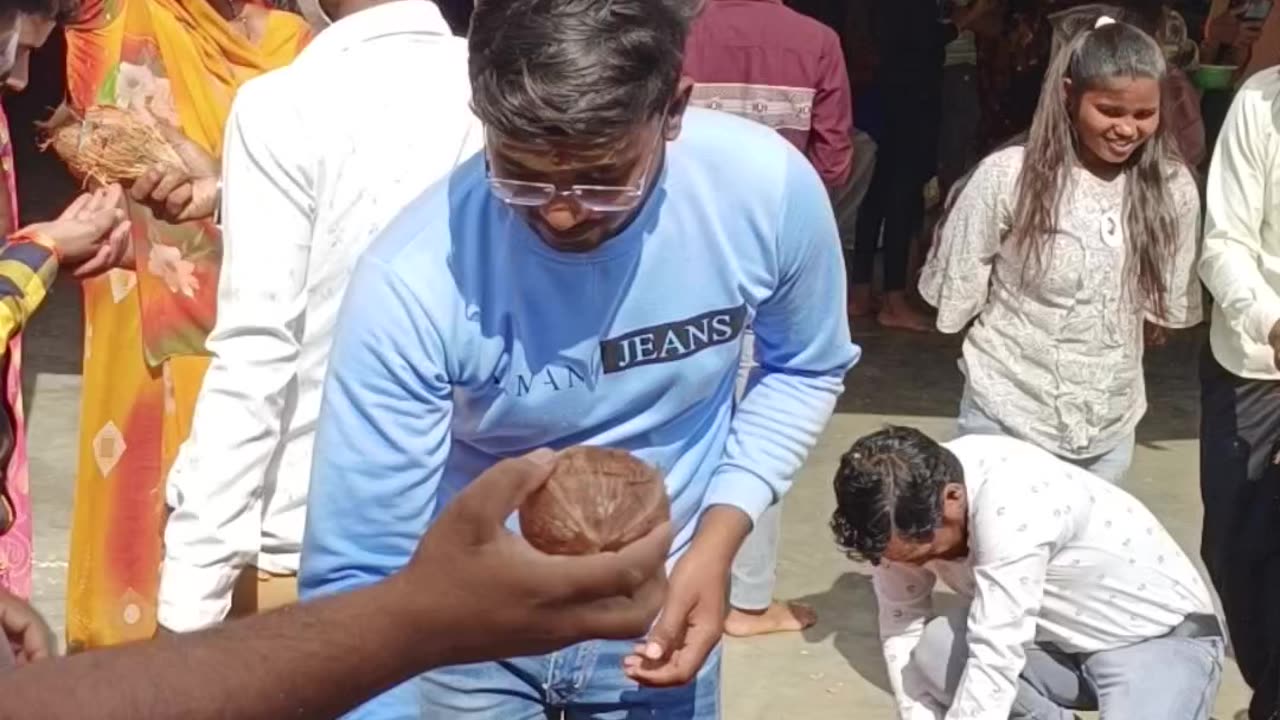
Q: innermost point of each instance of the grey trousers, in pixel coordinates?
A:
(847, 199)
(756, 565)
(755, 569)
(1169, 678)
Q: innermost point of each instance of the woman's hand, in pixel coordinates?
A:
(1154, 335)
(180, 194)
(92, 234)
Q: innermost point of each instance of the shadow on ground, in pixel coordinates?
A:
(850, 633)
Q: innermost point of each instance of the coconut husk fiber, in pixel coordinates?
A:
(107, 144)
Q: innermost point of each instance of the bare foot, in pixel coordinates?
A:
(898, 313)
(862, 302)
(777, 618)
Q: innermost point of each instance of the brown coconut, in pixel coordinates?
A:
(596, 500)
(107, 144)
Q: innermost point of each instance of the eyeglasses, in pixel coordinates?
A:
(597, 198)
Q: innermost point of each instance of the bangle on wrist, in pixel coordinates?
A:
(29, 235)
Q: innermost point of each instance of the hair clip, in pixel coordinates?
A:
(1104, 21)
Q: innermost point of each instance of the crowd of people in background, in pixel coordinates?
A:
(320, 338)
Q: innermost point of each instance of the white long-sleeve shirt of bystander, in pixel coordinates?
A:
(1240, 263)
(319, 157)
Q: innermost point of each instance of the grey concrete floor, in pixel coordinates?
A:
(834, 670)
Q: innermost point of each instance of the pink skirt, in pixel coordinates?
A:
(15, 544)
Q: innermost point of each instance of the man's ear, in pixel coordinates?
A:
(679, 103)
(953, 492)
(955, 500)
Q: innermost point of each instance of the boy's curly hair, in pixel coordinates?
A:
(891, 482)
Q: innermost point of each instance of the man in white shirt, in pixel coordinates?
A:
(319, 156)
(1240, 384)
(1075, 592)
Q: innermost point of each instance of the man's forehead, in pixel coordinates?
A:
(557, 154)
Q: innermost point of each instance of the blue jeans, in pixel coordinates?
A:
(584, 682)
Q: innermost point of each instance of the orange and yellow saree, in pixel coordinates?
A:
(177, 62)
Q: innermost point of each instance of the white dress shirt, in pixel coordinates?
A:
(1056, 555)
(1240, 262)
(318, 157)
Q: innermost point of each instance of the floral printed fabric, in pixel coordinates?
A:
(138, 89)
(136, 63)
(1056, 356)
(175, 260)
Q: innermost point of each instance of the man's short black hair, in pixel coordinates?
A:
(583, 70)
(891, 481)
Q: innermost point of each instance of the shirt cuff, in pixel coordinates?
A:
(743, 490)
(36, 257)
(194, 598)
(1260, 318)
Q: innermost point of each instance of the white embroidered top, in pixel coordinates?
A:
(1056, 356)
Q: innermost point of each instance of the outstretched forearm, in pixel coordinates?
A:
(316, 660)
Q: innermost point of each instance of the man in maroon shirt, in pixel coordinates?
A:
(762, 61)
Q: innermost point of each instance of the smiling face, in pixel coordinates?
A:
(1115, 117)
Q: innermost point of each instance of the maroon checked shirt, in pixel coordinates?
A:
(766, 62)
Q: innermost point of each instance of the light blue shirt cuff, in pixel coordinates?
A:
(741, 489)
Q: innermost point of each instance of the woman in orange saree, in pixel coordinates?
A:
(178, 63)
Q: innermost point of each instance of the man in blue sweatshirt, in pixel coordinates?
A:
(584, 280)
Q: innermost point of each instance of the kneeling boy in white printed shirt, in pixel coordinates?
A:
(1078, 598)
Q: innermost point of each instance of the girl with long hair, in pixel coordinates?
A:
(1059, 246)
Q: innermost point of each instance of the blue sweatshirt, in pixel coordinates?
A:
(464, 339)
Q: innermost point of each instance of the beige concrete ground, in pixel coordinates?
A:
(832, 672)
